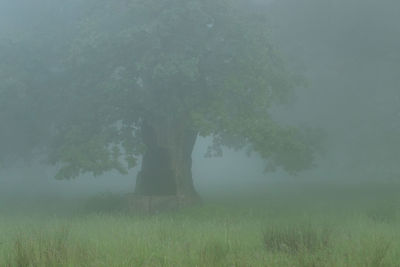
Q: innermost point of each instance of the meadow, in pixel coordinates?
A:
(298, 224)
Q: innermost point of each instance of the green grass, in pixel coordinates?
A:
(300, 226)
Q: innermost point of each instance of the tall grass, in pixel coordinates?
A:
(46, 248)
(282, 231)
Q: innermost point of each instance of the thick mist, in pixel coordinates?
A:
(199, 133)
(348, 50)
(347, 53)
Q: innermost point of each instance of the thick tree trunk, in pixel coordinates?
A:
(167, 163)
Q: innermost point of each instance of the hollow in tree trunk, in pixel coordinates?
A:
(167, 163)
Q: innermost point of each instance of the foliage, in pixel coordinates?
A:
(208, 64)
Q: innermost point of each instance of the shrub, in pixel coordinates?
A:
(382, 214)
(106, 203)
(213, 253)
(296, 238)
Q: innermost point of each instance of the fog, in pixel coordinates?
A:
(346, 51)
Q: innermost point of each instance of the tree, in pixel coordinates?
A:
(31, 74)
(148, 77)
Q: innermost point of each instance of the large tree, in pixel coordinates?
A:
(147, 77)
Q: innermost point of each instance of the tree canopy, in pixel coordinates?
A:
(84, 91)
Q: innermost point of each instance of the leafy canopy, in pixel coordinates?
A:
(209, 64)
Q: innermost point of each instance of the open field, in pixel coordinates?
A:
(286, 225)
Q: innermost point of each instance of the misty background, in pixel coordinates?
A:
(348, 52)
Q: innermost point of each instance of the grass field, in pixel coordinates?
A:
(283, 225)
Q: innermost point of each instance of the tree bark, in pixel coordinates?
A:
(167, 163)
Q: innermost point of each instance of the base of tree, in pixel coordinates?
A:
(157, 204)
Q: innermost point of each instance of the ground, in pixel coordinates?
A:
(296, 224)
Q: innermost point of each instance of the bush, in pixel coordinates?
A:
(213, 253)
(296, 238)
(106, 203)
(383, 213)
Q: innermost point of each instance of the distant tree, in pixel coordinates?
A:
(146, 78)
(33, 46)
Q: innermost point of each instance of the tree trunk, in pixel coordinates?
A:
(167, 163)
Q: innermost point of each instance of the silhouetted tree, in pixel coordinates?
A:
(148, 77)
